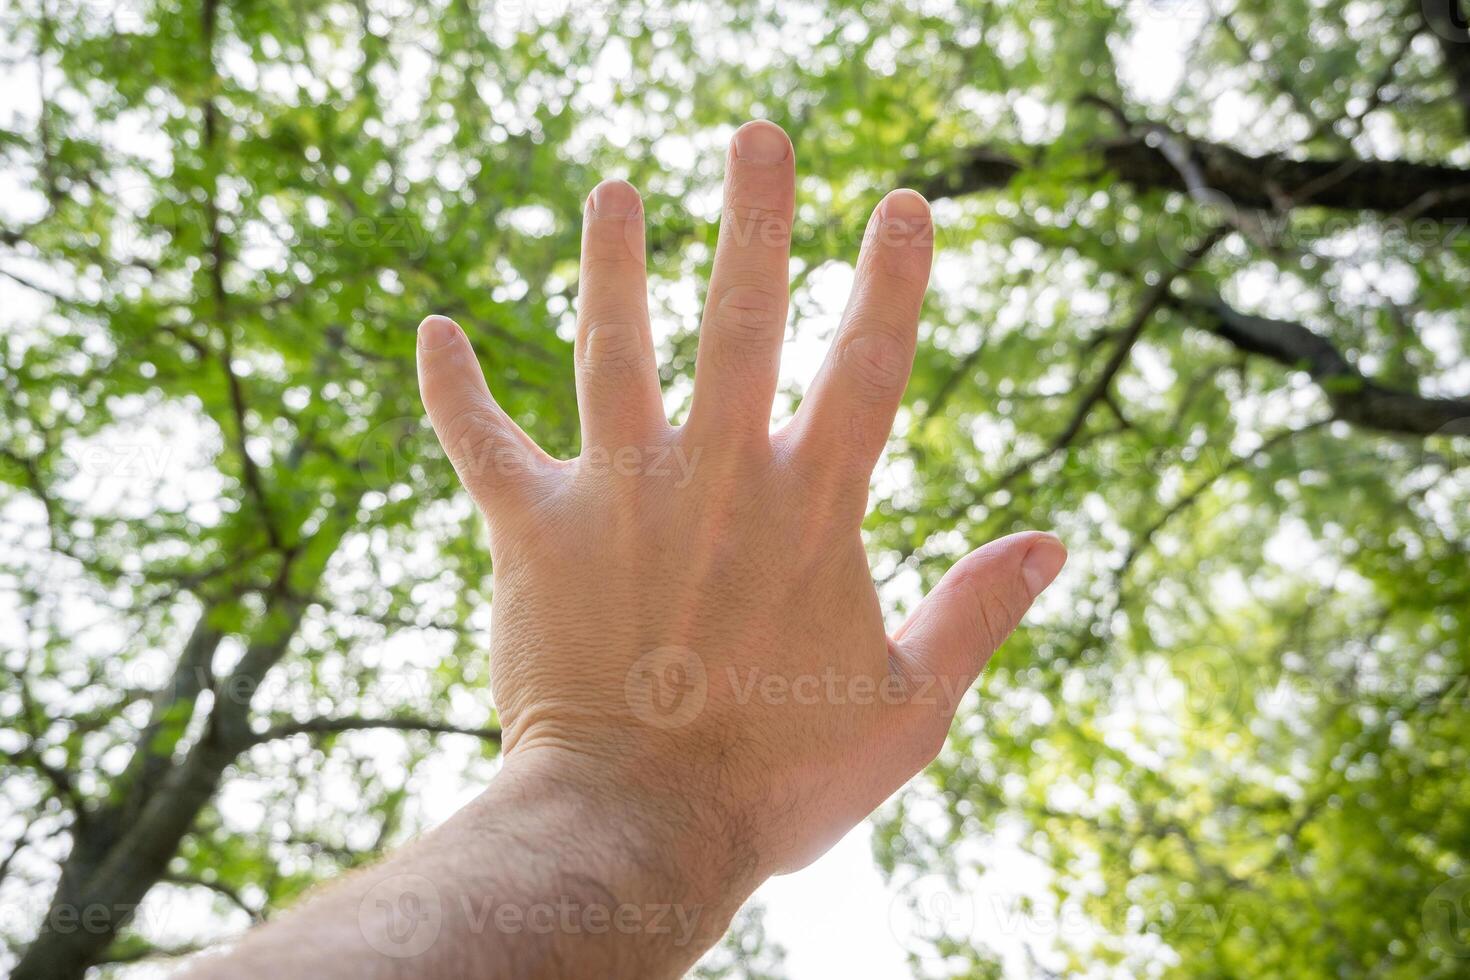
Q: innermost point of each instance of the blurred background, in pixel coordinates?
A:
(1198, 306)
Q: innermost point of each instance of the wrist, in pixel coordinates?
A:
(669, 871)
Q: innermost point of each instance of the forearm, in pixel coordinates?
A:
(549, 873)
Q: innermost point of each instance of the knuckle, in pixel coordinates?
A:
(749, 314)
(467, 422)
(470, 436)
(612, 345)
(754, 295)
(994, 613)
(878, 364)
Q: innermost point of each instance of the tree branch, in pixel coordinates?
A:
(1157, 295)
(1425, 190)
(219, 888)
(132, 949)
(1355, 398)
(330, 726)
(34, 719)
(173, 707)
(1145, 539)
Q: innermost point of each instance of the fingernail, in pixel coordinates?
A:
(615, 199)
(761, 142)
(436, 331)
(1042, 563)
(905, 205)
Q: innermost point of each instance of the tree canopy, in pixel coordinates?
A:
(1198, 305)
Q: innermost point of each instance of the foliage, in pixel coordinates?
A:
(245, 604)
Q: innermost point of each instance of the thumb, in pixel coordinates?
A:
(979, 602)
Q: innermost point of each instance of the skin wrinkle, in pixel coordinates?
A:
(694, 683)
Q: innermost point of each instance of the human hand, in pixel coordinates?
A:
(695, 686)
(684, 617)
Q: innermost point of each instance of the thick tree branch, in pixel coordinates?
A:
(173, 707)
(331, 726)
(1355, 398)
(1423, 190)
(118, 874)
